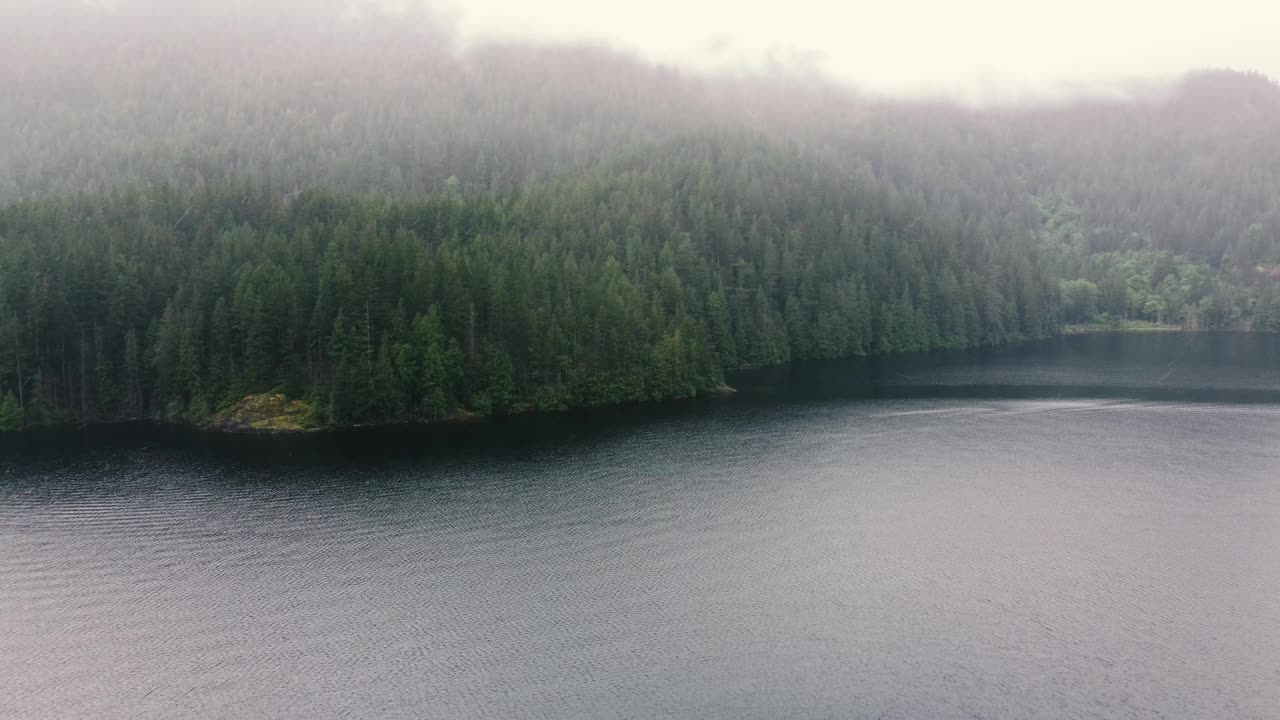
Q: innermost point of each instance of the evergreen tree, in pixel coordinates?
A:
(10, 413)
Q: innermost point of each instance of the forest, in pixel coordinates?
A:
(361, 213)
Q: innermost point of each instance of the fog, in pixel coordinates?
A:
(974, 50)
(980, 51)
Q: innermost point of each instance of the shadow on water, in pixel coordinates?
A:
(1172, 367)
(511, 438)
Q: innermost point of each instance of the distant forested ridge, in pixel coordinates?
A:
(357, 212)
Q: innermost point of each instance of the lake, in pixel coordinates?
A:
(1081, 528)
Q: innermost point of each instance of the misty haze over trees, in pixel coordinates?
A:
(352, 208)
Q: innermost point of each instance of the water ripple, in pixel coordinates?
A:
(1068, 558)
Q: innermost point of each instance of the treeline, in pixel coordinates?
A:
(199, 201)
(1157, 286)
(632, 283)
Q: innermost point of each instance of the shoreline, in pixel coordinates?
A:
(272, 414)
(1140, 327)
(232, 421)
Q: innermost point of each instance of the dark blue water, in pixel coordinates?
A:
(1077, 529)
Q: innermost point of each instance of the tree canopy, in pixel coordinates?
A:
(357, 210)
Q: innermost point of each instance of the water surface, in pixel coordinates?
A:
(1077, 529)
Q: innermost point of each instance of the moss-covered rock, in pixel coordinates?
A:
(267, 412)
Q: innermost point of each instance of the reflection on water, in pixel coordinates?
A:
(1225, 367)
(919, 539)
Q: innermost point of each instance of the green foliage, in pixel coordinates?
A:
(10, 413)
(498, 229)
(1269, 312)
(1079, 300)
(384, 311)
(1143, 284)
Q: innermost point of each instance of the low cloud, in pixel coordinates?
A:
(975, 51)
(979, 50)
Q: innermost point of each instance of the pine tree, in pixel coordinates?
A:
(342, 401)
(10, 413)
(132, 375)
(726, 346)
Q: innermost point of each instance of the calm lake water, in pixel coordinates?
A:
(1081, 528)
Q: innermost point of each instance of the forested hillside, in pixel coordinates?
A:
(357, 211)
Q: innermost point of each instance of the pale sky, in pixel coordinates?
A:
(977, 49)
